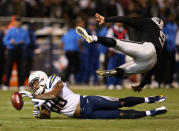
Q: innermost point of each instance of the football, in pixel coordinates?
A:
(17, 100)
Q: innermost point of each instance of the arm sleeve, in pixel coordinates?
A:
(147, 77)
(7, 39)
(134, 22)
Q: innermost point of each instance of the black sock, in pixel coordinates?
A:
(106, 41)
(131, 114)
(131, 101)
(120, 72)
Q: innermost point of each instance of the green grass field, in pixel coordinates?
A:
(11, 119)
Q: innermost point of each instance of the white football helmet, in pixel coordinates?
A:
(39, 76)
(158, 21)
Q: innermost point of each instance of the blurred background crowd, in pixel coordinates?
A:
(40, 35)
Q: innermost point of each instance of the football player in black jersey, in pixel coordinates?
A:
(145, 52)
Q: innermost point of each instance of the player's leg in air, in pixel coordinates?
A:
(102, 107)
(144, 54)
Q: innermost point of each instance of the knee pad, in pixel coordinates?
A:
(125, 102)
(122, 101)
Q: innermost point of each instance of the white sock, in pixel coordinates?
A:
(148, 113)
(95, 38)
(146, 99)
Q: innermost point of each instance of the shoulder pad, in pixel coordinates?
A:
(53, 80)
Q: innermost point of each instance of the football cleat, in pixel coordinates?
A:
(82, 32)
(158, 111)
(106, 73)
(154, 99)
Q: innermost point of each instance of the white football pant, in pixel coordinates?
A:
(144, 56)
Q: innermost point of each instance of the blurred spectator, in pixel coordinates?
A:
(28, 52)
(170, 30)
(70, 10)
(116, 58)
(33, 8)
(2, 50)
(15, 40)
(86, 8)
(4, 7)
(103, 49)
(70, 43)
(79, 75)
(154, 8)
(90, 8)
(90, 55)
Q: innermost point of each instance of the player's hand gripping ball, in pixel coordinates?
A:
(17, 100)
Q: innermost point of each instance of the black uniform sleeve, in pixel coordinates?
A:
(146, 78)
(134, 22)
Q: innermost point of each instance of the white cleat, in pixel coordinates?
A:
(158, 111)
(154, 99)
(82, 32)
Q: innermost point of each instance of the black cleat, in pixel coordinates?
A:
(106, 73)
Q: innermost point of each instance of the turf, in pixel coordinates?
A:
(12, 120)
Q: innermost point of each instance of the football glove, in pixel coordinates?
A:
(36, 112)
(38, 102)
(26, 93)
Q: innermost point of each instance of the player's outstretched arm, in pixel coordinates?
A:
(134, 22)
(144, 81)
(52, 94)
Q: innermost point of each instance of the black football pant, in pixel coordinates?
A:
(73, 63)
(27, 66)
(14, 56)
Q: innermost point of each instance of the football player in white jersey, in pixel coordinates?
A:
(52, 95)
